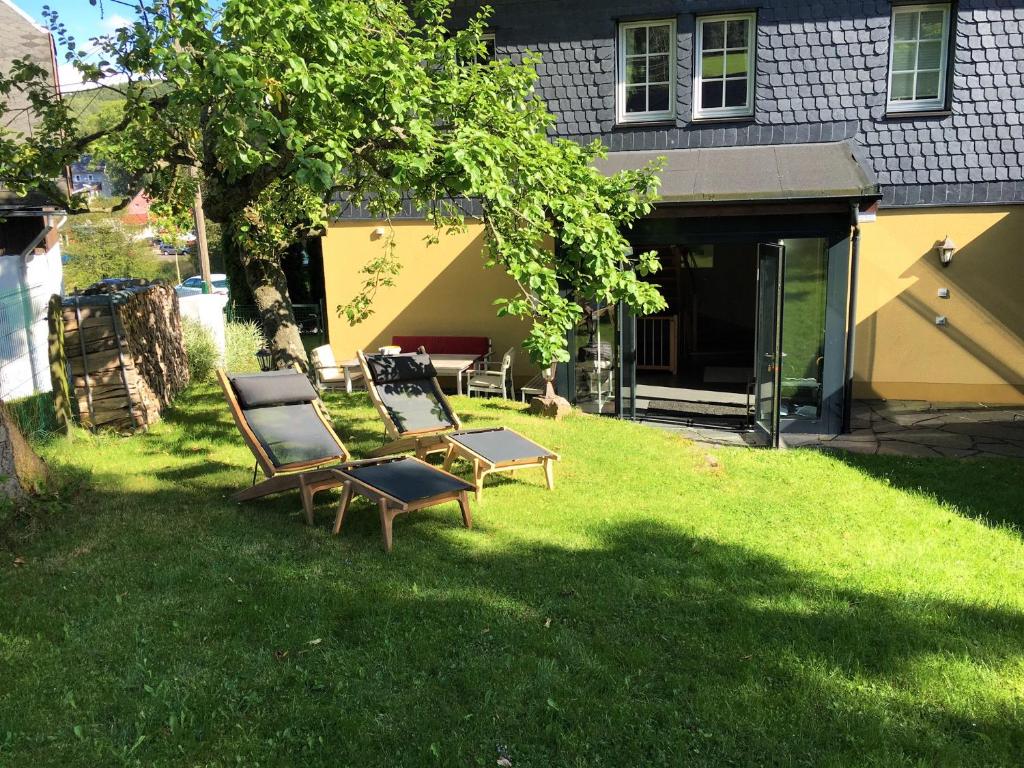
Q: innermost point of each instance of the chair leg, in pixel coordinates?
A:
(449, 457)
(467, 516)
(478, 480)
(307, 499)
(346, 499)
(387, 517)
(549, 473)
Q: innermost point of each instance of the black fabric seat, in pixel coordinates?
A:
(408, 480)
(292, 433)
(500, 445)
(407, 387)
(278, 407)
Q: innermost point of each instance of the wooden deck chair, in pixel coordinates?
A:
(285, 425)
(417, 416)
(407, 396)
(288, 430)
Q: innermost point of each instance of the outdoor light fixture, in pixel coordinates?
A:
(946, 249)
(265, 359)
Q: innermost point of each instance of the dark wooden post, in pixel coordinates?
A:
(58, 365)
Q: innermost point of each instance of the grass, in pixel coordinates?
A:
(785, 609)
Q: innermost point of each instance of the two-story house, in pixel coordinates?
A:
(89, 177)
(842, 205)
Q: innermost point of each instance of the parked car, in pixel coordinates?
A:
(194, 285)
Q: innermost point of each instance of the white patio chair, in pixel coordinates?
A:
(330, 375)
(493, 378)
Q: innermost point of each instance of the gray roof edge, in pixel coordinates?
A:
(863, 185)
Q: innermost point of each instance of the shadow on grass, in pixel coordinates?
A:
(273, 643)
(651, 647)
(984, 489)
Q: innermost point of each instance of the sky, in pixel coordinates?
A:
(83, 21)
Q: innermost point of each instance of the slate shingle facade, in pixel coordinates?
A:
(821, 76)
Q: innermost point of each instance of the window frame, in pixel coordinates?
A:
(713, 113)
(621, 115)
(941, 101)
(493, 40)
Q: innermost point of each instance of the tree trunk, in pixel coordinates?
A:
(22, 472)
(269, 288)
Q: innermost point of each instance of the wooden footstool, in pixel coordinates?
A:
(498, 450)
(399, 484)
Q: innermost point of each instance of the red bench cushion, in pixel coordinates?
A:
(445, 345)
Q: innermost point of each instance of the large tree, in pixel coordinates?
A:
(284, 109)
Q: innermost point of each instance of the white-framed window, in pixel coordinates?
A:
(918, 57)
(646, 87)
(723, 74)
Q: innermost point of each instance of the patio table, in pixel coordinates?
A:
(455, 365)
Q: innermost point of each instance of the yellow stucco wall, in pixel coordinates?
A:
(979, 356)
(443, 289)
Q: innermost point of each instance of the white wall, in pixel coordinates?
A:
(25, 291)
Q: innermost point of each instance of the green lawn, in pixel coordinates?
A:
(787, 608)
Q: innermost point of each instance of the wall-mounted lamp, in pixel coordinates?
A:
(377, 233)
(946, 250)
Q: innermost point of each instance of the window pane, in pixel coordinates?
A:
(636, 70)
(658, 69)
(636, 98)
(902, 86)
(931, 25)
(711, 94)
(929, 55)
(736, 33)
(903, 56)
(803, 327)
(736, 93)
(636, 40)
(927, 85)
(711, 64)
(736, 63)
(713, 35)
(658, 39)
(904, 25)
(657, 98)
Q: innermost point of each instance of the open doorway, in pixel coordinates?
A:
(741, 344)
(694, 360)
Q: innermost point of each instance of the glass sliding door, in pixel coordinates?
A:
(803, 333)
(597, 360)
(771, 260)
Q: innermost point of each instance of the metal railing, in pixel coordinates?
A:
(656, 343)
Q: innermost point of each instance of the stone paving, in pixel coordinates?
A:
(908, 428)
(917, 428)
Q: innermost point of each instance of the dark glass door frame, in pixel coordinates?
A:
(771, 271)
(830, 421)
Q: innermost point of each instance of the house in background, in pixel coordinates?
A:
(90, 177)
(842, 205)
(136, 213)
(30, 259)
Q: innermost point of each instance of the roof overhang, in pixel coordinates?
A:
(769, 173)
